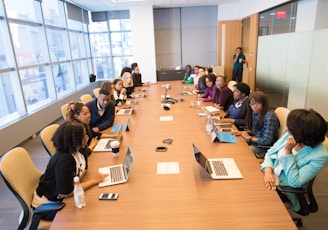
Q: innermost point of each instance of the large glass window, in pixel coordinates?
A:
(53, 13)
(111, 43)
(278, 20)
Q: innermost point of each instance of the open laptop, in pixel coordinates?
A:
(118, 174)
(217, 168)
(103, 144)
(217, 121)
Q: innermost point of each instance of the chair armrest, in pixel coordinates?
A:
(289, 189)
(49, 207)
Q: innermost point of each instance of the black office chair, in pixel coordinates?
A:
(305, 197)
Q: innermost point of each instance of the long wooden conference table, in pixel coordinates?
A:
(188, 200)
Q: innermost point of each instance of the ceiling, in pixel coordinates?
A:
(105, 5)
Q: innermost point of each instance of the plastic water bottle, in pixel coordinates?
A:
(78, 193)
(198, 101)
(209, 125)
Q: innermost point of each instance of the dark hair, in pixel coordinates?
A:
(211, 77)
(73, 108)
(239, 48)
(126, 69)
(133, 65)
(307, 126)
(209, 70)
(243, 88)
(69, 137)
(104, 92)
(261, 98)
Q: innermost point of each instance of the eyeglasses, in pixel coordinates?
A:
(254, 103)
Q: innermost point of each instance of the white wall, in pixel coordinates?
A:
(144, 41)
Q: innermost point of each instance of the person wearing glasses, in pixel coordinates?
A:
(298, 156)
(262, 124)
(223, 97)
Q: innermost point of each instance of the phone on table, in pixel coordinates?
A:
(108, 196)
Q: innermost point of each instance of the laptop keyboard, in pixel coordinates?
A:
(219, 168)
(107, 146)
(116, 173)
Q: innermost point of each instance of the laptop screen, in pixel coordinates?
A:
(201, 159)
(128, 160)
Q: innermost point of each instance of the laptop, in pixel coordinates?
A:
(118, 174)
(103, 144)
(125, 112)
(217, 168)
(217, 121)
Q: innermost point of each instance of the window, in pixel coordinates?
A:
(278, 20)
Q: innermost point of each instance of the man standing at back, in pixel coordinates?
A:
(102, 111)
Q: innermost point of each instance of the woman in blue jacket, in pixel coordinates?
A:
(299, 155)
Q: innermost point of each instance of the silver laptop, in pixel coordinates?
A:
(217, 121)
(217, 168)
(118, 174)
(103, 144)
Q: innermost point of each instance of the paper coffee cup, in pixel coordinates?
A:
(241, 60)
(115, 145)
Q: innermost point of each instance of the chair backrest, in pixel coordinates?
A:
(85, 98)
(218, 70)
(22, 178)
(231, 84)
(96, 92)
(63, 110)
(325, 143)
(46, 135)
(282, 113)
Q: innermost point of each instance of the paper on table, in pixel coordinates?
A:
(166, 118)
(168, 168)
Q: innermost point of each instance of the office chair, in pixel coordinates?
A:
(96, 92)
(305, 196)
(46, 135)
(85, 98)
(63, 110)
(282, 114)
(22, 178)
(231, 84)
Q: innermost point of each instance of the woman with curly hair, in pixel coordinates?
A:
(57, 181)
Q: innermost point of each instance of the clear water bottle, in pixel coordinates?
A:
(78, 193)
(198, 102)
(209, 125)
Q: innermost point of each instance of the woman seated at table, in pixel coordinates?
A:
(262, 124)
(57, 181)
(77, 111)
(119, 92)
(210, 88)
(237, 111)
(223, 97)
(128, 84)
(136, 76)
(299, 155)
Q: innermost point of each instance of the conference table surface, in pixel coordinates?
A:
(188, 200)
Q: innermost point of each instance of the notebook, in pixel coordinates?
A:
(125, 112)
(211, 110)
(118, 174)
(217, 121)
(103, 144)
(217, 168)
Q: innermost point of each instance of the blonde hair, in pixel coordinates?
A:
(124, 79)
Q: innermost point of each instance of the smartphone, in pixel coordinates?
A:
(108, 196)
(161, 149)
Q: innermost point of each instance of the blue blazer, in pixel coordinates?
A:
(297, 170)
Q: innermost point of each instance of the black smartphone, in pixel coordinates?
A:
(161, 149)
(108, 196)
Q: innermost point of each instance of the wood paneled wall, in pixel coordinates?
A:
(232, 34)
